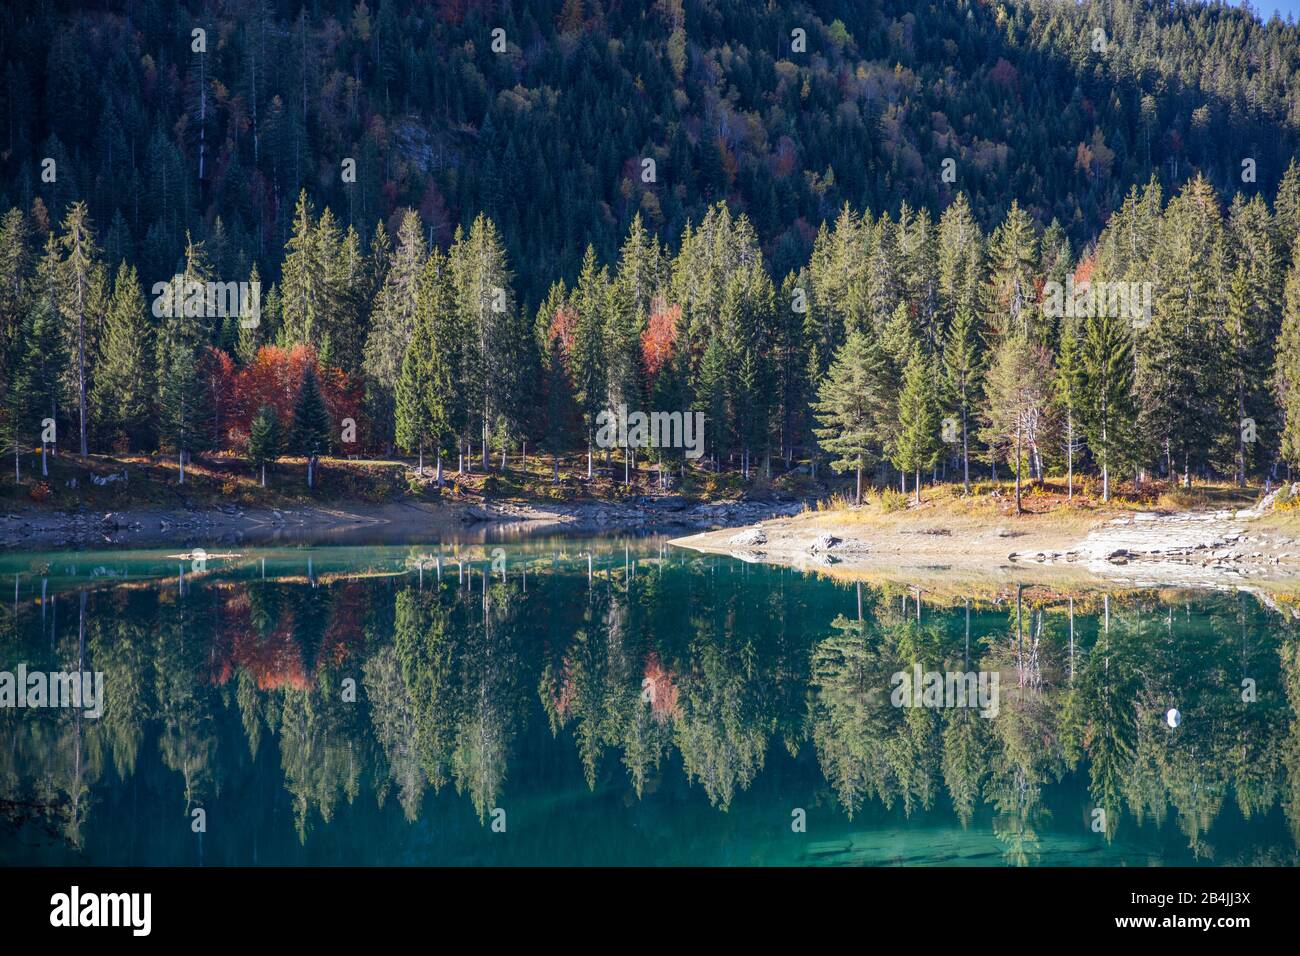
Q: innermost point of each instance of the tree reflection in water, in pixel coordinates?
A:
(403, 672)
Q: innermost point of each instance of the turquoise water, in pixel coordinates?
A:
(622, 702)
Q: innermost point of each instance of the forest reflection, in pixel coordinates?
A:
(393, 678)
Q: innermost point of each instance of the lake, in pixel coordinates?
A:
(620, 701)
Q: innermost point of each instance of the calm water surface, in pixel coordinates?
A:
(620, 702)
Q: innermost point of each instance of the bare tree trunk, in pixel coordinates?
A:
(965, 455)
(1018, 469)
(1069, 455)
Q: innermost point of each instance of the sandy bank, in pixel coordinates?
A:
(1212, 548)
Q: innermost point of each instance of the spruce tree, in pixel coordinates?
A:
(916, 441)
(1070, 385)
(962, 374)
(1107, 409)
(309, 435)
(850, 406)
(122, 396)
(264, 439)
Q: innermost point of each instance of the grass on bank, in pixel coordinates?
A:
(224, 480)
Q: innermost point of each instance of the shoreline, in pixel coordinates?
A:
(358, 522)
(1238, 548)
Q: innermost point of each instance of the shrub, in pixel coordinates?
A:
(40, 492)
(891, 500)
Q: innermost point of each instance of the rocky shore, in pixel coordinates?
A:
(364, 523)
(1227, 547)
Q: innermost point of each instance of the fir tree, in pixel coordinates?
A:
(122, 397)
(850, 405)
(264, 439)
(1107, 410)
(963, 372)
(309, 435)
(916, 442)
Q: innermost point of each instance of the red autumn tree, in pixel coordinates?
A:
(659, 340)
(273, 378)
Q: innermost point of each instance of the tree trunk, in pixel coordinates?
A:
(918, 486)
(1069, 456)
(965, 455)
(264, 475)
(858, 496)
(1018, 469)
(439, 466)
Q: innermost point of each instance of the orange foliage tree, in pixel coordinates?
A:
(273, 378)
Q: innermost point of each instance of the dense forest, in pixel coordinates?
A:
(860, 234)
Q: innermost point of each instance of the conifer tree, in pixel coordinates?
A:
(588, 368)
(36, 390)
(1018, 401)
(393, 317)
(122, 397)
(963, 372)
(1107, 410)
(1070, 386)
(309, 435)
(264, 439)
(426, 399)
(80, 296)
(850, 405)
(916, 441)
(1286, 370)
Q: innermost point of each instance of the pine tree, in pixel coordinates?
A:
(264, 439)
(426, 412)
(393, 317)
(850, 406)
(80, 296)
(587, 363)
(35, 392)
(481, 284)
(309, 435)
(916, 442)
(179, 340)
(1018, 401)
(122, 397)
(252, 335)
(1107, 410)
(1181, 363)
(1070, 385)
(1013, 269)
(1286, 370)
(963, 373)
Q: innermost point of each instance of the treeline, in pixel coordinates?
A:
(904, 346)
(1057, 105)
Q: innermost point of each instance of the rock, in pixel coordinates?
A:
(825, 541)
(749, 538)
